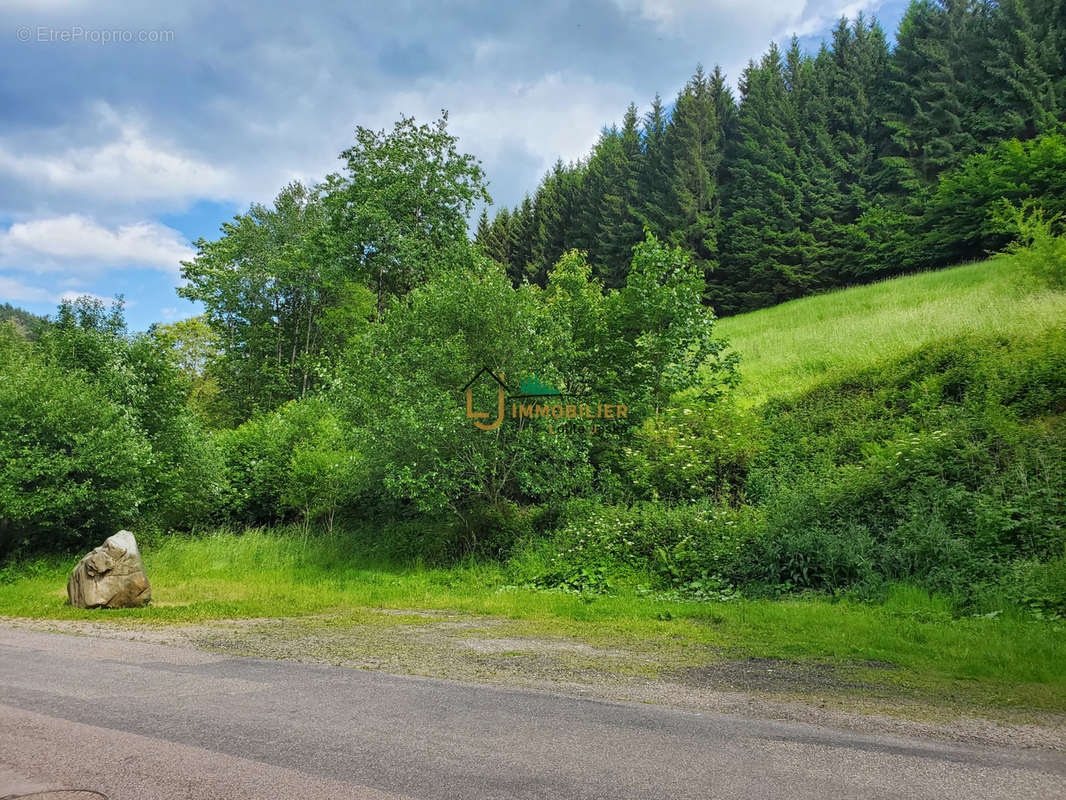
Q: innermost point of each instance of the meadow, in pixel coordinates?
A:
(790, 348)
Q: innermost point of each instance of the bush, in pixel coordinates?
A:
(962, 216)
(1037, 587)
(695, 451)
(295, 461)
(1040, 241)
(73, 464)
(138, 374)
(596, 547)
(940, 470)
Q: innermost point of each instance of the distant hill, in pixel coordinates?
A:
(28, 324)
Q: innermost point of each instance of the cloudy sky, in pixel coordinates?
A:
(132, 129)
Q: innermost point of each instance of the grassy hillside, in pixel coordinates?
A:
(788, 349)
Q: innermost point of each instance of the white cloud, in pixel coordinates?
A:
(76, 243)
(128, 166)
(773, 18)
(12, 290)
(70, 297)
(518, 128)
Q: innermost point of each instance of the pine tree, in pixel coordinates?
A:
(484, 233)
(522, 225)
(652, 209)
(764, 252)
(593, 185)
(846, 136)
(1026, 68)
(694, 149)
(725, 109)
(934, 89)
(619, 229)
(553, 207)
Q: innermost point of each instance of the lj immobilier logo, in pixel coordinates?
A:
(535, 400)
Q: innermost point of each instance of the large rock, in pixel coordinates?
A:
(112, 576)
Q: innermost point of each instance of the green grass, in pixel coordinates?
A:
(1004, 662)
(788, 349)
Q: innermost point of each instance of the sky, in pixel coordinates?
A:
(129, 130)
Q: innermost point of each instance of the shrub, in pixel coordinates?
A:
(961, 216)
(138, 374)
(1038, 587)
(295, 461)
(73, 464)
(595, 547)
(695, 451)
(1040, 242)
(938, 469)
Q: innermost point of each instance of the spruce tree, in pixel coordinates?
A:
(652, 209)
(1026, 66)
(522, 226)
(619, 229)
(764, 252)
(694, 151)
(934, 89)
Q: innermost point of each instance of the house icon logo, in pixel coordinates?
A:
(478, 416)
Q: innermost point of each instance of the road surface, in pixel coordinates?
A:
(132, 721)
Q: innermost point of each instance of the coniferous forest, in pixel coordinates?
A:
(857, 162)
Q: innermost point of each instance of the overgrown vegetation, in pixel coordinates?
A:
(905, 433)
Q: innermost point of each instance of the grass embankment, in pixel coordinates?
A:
(790, 348)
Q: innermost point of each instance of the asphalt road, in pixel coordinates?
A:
(134, 721)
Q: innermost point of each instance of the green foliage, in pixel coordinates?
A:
(194, 347)
(662, 335)
(325, 474)
(790, 349)
(138, 376)
(26, 324)
(695, 450)
(595, 548)
(963, 217)
(73, 463)
(277, 299)
(850, 164)
(402, 204)
(1041, 241)
(403, 391)
(1037, 587)
(298, 460)
(940, 469)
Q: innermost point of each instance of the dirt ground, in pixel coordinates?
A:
(504, 652)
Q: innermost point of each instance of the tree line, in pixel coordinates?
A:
(826, 169)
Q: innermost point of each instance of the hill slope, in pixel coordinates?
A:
(788, 349)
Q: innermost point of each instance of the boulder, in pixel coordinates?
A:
(111, 576)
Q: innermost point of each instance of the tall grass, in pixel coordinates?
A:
(787, 349)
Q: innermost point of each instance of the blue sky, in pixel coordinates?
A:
(132, 129)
